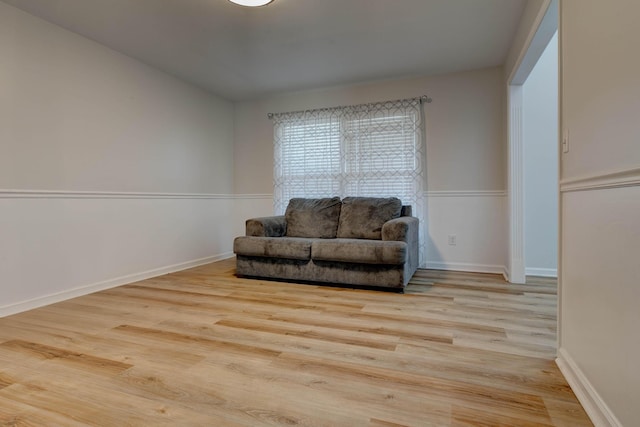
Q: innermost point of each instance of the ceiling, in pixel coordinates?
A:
(243, 53)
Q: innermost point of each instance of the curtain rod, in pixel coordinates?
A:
(423, 99)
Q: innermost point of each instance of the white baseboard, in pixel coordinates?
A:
(594, 406)
(544, 272)
(22, 306)
(462, 266)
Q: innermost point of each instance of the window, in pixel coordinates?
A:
(365, 150)
(381, 156)
(308, 159)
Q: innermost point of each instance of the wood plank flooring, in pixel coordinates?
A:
(204, 348)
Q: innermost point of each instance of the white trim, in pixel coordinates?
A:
(542, 30)
(253, 196)
(516, 186)
(463, 266)
(544, 272)
(600, 414)
(466, 193)
(505, 274)
(617, 179)
(65, 194)
(559, 328)
(7, 310)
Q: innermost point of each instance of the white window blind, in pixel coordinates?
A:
(310, 164)
(374, 150)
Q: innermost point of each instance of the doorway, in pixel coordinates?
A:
(533, 137)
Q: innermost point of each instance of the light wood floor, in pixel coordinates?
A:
(204, 348)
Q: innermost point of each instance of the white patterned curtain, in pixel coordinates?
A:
(374, 150)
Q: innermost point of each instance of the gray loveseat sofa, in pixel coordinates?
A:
(357, 241)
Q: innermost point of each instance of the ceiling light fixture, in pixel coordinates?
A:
(251, 3)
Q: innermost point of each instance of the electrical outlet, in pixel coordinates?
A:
(452, 239)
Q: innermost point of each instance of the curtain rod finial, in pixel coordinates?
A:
(425, 99)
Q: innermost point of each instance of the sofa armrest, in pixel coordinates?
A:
(405, 229)
(268, 226)
(401, 229)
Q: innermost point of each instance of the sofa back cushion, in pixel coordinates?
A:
(363, 217)
(313, 217)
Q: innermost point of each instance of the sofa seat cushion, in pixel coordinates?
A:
(363, 217)
(276, 247)
(359, 251)
(313, 217)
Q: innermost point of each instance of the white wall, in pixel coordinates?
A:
(109, 170)
(600, 208)
(540, 132)
(465, 157)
